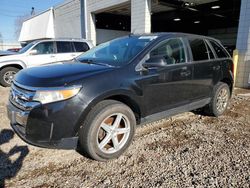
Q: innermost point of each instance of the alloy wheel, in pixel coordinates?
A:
(9, 76)
(222, 100)
(113, 133)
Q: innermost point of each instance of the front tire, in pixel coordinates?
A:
(107, 130)
(219, 101)
(7, 75)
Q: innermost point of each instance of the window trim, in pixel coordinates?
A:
(200, 38)
(73, 43)
(211, 48)
(221, 46)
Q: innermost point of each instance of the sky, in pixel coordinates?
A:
(10, 10)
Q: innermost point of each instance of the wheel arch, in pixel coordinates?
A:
(122, 97)
(127, 100)
(18, 66)
(229, 82)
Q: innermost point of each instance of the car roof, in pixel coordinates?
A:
(175, 34)
(64, 40)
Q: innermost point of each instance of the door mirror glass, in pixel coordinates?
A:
(33, 52)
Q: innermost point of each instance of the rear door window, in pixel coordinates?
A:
(220, 52)
(199, 49)
(64, 47)
(81, 46)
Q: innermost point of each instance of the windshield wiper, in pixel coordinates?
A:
(104, 64)
(90, 61)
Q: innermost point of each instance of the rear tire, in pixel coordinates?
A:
(107, 130)
(219, 101)
(7, 75)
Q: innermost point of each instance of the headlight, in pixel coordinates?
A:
(49, 96)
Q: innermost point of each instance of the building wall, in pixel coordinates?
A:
(140, 16)
(100, 5)
(243, 46)
(227, 36)
(67, 20)
(6, 46)
(97, 6)
(104, 35)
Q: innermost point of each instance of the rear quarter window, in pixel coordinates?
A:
(81, 46)
(199, 49)
(219, 50)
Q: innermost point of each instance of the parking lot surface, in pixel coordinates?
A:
(188, 150)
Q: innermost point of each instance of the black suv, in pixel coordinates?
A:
(94, 103)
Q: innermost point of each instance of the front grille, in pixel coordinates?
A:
(22, 98)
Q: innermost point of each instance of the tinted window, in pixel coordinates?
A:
(172, 51)
(81, 46)
(199, 49)
(64, 47)
(210, 52)
(44, 48)
(221, 53)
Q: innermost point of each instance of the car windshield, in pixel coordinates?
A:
(117, 52)
(26, 48)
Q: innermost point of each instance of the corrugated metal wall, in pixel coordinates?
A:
(67, 20)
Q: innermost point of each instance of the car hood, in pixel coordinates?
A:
(11, 57)
(57, 75)
(5, 53)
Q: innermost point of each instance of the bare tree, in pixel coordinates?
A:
(1, 41)
(18, 24)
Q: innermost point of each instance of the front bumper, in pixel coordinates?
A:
(52, 125)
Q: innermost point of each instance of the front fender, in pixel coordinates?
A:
(12, 62)
(89, 103)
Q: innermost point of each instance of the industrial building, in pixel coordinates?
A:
(102, 20)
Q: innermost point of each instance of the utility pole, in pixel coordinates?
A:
(32, 11)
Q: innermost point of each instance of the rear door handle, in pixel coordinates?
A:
(216, 68)
(52, 56)
(185, 72)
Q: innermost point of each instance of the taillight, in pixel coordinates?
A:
(233, 69)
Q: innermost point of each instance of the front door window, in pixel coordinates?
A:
(44, 48)
(172, 51)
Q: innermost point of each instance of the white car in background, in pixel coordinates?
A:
(39, 53)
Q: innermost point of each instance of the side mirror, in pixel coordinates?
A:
(155, 61)
(33, 52)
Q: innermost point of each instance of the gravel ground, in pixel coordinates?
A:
(187, 150)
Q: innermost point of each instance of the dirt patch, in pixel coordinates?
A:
(187, 150)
